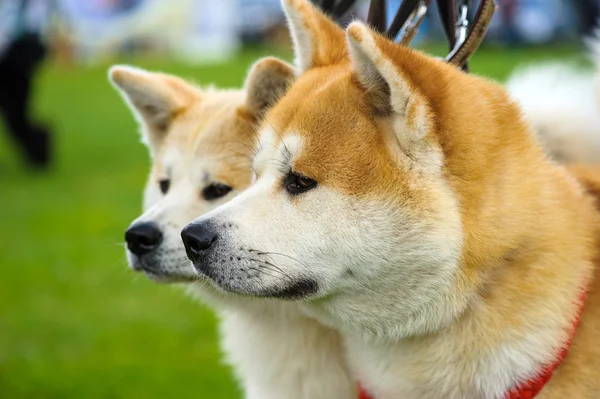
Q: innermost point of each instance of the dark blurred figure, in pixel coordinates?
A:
(22, 50)
(588, 12)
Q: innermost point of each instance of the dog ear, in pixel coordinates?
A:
(154, 99)
(267, 81)
(389, 90)
(318, 41)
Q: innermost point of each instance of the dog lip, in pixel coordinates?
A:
(298, 290)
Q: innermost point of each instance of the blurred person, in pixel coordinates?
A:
(589, 13)
(22, 50)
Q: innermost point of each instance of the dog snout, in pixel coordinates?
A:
(197, 239)
(143, 238)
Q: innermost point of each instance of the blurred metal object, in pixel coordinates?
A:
(447, 11)
(468, 40)
(410, 28)
(378, 15)
(405, 17)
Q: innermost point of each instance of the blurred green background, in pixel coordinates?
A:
(74, 321)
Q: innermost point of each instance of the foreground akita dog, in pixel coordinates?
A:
(410, 207)
(201, 142)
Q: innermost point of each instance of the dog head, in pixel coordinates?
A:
(201, 144)
(371, 201)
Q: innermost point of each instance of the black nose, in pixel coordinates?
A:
(197, 238)
(143, 238)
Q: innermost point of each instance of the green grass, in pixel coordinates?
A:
(74, 321)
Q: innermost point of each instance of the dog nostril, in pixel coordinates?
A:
(197, 238)
(143, 238)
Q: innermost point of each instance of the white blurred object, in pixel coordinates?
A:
(561, 103)
(212, 35)
(257, 15)
(196, 31)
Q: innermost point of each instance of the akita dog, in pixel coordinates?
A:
(409, 206)
(201, 142)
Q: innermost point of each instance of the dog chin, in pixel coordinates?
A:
(158, 275)
(164, 278)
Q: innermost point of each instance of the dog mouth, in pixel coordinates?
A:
(252, 280)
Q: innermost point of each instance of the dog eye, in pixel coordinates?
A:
(164, 185)
(215, 190)
(295, 183)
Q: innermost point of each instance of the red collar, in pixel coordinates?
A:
(530, 388)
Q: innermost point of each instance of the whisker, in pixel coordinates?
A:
(242, 155)
(263, 271)
(247, 146)
(280, 254)
(365, 286)
(276, 267)
(280, 165)
(288, 153)
(253, 136)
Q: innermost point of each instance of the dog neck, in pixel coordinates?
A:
(530, 387)
(478, 357)
(518, 322)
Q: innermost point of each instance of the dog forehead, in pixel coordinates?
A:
(307, 93)
(320, 106)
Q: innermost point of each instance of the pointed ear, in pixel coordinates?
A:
(318, 41)
(267, 81)
(389, 90)
(154, 99)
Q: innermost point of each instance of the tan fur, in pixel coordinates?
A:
(402, 146)
(589, 177)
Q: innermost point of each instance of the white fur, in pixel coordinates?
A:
(279, 353)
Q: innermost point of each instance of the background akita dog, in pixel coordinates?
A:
(410, 207)
(201, 143)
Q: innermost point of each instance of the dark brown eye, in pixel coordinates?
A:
(164, 185)
(295, 183)
(215, 190)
